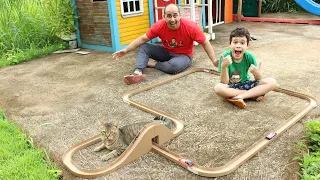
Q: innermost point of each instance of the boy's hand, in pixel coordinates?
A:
(226, 61)
(254, 70)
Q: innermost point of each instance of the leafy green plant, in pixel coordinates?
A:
(310, 166)
(313, 135)
(309, 149)
(12, 58)
(281, 6)
(22, 23)
(32, 27)
(62, 16)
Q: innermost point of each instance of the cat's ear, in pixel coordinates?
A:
(108, 123)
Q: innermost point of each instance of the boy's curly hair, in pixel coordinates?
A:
(240, 32)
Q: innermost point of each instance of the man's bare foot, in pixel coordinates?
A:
(152, 63)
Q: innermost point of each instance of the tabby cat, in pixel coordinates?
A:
(117, 139)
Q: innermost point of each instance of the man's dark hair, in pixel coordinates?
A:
(240, 32)
(165, 8)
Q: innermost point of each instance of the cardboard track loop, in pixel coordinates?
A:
(154, 134)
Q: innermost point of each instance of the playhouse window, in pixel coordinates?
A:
(195, 1)
(131, 8)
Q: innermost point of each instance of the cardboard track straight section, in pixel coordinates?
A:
(155, 134)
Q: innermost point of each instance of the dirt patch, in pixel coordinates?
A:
(61, 97)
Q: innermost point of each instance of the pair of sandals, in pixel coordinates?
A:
(134, 78)
(240, 102)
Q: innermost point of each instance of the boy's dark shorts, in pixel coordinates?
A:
(247, 85)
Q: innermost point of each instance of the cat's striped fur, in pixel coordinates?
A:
(117, 139)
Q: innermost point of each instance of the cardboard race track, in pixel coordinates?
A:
(154, 134)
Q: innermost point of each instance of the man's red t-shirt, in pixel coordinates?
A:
(178, 41)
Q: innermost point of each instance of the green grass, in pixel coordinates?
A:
(310, 166)
(19, 159)
(29, 29)
(33, 28)
(310, 152)
(11, 58)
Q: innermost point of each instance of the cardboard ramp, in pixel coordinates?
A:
(141, 145)
(155, 134)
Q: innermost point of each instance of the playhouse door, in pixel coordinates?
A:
(159, 5)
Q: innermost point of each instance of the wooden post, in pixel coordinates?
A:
(239, 10)
(259, 7)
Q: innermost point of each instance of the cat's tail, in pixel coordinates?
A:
(166, 121)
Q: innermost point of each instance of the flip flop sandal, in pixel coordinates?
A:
(238, 102)
(134, 78)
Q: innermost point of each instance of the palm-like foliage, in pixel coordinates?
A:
(281, 6)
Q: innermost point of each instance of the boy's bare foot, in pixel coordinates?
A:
(258, 98)
(238, 102)
(152, 63)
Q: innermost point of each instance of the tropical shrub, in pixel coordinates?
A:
(32, 25)
(281, 6)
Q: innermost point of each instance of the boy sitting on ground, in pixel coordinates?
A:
(234, 67)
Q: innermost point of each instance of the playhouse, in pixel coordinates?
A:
(112, 25)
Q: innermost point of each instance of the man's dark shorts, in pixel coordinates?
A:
(247, 85)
